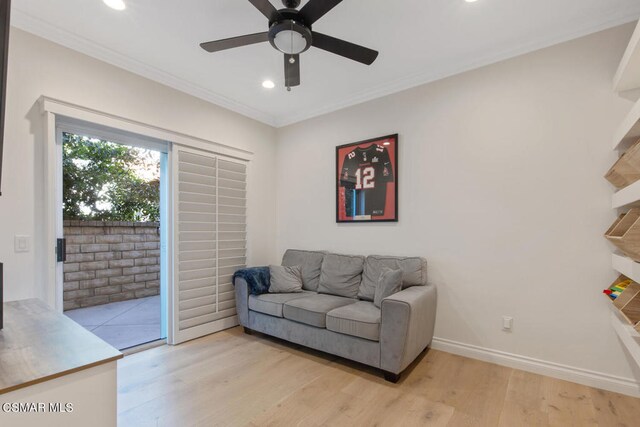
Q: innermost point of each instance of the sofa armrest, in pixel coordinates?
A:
(406, 329)
(242, 300)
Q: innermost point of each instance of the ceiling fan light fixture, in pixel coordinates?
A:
(115, 4)
(289, 37)
(290, 42)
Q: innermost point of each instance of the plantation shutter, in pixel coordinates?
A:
(210, 230)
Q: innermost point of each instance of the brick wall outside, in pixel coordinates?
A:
(110, 261)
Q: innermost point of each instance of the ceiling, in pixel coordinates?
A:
(419, 41)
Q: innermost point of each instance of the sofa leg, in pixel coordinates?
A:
(247, 331)
(391, 377)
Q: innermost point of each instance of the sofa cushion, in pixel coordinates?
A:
(389, 283)
(310, 263)
(312, 310)
(361, 319)
(285, 279)
(414, 273)
(272, 303)
(341, 275)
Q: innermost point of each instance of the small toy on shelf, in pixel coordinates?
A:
(617, 288)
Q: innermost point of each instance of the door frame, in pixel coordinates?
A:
(55, 113)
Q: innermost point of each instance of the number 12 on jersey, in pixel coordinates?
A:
(365, 178)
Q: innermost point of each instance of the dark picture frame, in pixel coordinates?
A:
(367, 180)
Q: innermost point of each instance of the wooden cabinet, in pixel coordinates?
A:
(49, 361)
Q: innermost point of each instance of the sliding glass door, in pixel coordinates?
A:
(112, 247)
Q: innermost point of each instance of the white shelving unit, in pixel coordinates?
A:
(629, 336)
(626, 266)
(627, 197)
(627, 78)
(629, 130)
(628, 74)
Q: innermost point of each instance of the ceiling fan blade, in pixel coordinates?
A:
(316, 9)
(232, 42)
(266, 8)
(291, 70)
(344, 48)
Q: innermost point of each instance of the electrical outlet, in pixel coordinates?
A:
(507, 323)
(21, 243)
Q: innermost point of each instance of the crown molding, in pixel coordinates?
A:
(613, 20)
(30, 24)
(33, 25)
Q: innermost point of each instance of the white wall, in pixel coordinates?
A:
(38, 67)
(501, 184)
(501, 189)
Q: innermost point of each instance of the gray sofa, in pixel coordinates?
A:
(345, 322)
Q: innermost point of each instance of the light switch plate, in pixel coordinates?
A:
(21, 243)
(507, 323)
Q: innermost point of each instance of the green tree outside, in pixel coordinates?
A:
(104, 181)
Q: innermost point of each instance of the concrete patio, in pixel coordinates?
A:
(122, 324)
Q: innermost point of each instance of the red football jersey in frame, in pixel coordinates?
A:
(367, 180)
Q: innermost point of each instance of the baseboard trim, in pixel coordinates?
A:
(586, 377)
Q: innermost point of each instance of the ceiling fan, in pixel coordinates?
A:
(290, 32)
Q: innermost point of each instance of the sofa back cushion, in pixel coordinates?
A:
(310, 263)
(285, 279)
(414, 273)
(341, 275)
(389, 283)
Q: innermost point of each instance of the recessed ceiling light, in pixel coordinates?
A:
(115, 4)
(268, 84)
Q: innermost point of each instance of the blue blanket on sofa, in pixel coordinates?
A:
(258, 279)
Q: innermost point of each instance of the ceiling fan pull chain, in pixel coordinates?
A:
(291, 37)
(291, 61)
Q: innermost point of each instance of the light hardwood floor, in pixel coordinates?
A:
(232, 379)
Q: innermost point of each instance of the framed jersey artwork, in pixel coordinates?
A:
(367, 180)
